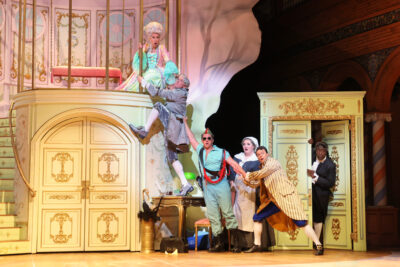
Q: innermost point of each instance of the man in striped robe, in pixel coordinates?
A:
(280, 203)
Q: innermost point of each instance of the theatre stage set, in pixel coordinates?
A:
(72, 173)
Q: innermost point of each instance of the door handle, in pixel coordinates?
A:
(82, 188)
(86, 188)
(89, 188)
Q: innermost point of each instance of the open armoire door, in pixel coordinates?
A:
(291, 149)
(337, 228)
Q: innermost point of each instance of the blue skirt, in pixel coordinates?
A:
(270, 210)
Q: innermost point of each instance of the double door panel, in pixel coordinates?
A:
(84, 187)
(337, 228)
(291, 149)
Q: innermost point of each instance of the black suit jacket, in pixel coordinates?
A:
(326, 179)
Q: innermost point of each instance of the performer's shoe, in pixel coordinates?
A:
(218, 244)
(254, 248)
(138, 130)
(186, 189)
(319, 251)
(235, 240)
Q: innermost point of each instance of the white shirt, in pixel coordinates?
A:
(314, 167)
(244, 206)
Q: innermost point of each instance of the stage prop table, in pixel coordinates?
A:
(181, 203)
(93, 72)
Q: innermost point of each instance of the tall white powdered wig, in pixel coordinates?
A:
(154, 27)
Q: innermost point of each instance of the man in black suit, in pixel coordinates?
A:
(323, 174)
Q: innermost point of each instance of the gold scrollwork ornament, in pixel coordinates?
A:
(108, 177)
(311, 106)
(63, 158)
(292, 166)
(335, 228)
(61, 237)
(107, 237)
(335, 159)
(293, 234)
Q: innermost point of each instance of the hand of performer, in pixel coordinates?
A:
(144, 46)
(233, 186)
(311, 173)
(140, 79)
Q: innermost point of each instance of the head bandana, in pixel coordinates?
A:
(207, 131)
(253, 140)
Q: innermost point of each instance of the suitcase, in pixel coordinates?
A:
(170, 244)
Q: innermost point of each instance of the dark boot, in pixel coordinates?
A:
(254, 248)
(235, 241)
(218, 244)
(319, 251)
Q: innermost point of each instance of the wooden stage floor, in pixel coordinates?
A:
(203, 258)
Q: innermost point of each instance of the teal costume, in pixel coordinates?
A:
(158, 69)
(217, 196)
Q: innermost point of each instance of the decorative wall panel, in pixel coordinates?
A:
(61, 228)
(80, 49)
(42, 71)
(62, 166)
(108, 167)
(2, 37)
(108, 227)
(21, 195)
(71, 133)
(101, 134)
(122, 41)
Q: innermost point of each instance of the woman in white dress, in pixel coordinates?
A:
(244, 197)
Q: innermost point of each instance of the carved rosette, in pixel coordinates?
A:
(62, 159)
(335, 159)
(335, 228)
(311, 106)
(292, 166)
(107, 218)
(111, 160)
(61, 237)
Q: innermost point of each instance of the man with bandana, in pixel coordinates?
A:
(217, 194)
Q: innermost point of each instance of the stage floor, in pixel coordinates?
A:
(203, 258)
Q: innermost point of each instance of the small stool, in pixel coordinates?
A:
(206, 223)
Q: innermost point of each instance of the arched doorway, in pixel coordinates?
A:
(86, 176)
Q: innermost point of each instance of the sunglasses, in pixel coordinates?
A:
(207, 138)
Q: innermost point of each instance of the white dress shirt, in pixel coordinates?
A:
(314, 167)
